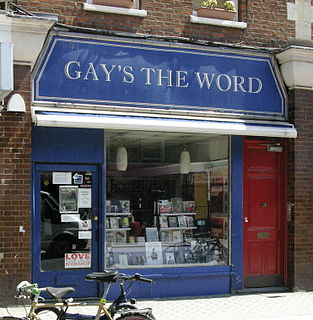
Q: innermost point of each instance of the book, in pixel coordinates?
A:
(163, 222)
(188, 235)
(177, 205)
(177, 236)
(182, 221)
(107, 223)
(154, 253)
(124, 222)
(110, 237)
(189, 206)
(190, 221)
(120, 206)
(140, 239)
(125, 206)
(152, 234)
(121, 237)
(123, 259)
(170, 258)
(172, 222)
(108, 206)
(114, 223)
(164, 206)
(115, 206)
(166, 236)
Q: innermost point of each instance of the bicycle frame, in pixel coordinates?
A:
(63, 306)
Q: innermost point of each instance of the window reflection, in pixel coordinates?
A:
(156, 216)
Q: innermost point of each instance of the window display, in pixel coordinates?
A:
(158, 216)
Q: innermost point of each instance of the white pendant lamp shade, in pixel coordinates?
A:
(121, 159)
(184, 162)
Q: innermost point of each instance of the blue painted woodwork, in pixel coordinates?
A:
(68, 277)
(123, 72)
(66, 145)
(236, 211)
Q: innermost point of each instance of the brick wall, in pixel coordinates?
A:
(301, 192)
(15, 184)
(267, 25)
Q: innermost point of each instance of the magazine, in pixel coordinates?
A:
(110, 237)
(107, 223)
(119, 206)
(152, 234)
(164, 206)
(124, 222)
(177, 236)
(121, 237)
(182, 221)
(123, 259)
(172, 222)
(190, 221)
(166, 236)
(170, 259)
(163, 222)
(189, 206)
(177, 205)
(114, 223)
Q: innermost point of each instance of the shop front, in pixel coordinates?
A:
(158, 158)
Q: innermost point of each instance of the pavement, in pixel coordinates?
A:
(270, 306)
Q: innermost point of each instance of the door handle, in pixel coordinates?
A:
(95, 218)
(246, 219)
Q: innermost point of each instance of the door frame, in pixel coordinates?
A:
(74, 277)
(284, 197)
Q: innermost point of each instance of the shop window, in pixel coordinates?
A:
(162, 210)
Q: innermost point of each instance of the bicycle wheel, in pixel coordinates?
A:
(48, 313)
(137, 316)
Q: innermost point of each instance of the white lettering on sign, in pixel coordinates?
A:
(77, 260)
(163, 78)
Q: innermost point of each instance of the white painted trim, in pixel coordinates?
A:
(20, 30)
(96, 120)
(296, 64)
(115, 10)
(218, 22)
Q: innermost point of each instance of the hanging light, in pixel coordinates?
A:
(185, 162)
(121, 158)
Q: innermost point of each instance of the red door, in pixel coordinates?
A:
(264, 213)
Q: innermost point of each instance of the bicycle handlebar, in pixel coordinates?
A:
(136, 277)
(25, 288)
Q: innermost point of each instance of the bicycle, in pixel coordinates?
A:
(58, 310)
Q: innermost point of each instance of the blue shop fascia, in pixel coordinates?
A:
(138, 161)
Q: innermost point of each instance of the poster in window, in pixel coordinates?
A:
(68, 196)
(154, 253)
(84, 198)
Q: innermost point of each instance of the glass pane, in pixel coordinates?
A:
(161, 209)
(66, 204)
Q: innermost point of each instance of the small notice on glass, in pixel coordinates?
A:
(84, 198)
(77, 260)
(62, 177)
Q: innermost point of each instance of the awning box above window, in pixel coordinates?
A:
(105, 120)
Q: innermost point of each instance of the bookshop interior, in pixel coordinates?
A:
(167, 199)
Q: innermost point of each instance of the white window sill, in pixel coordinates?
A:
(218, 22)
(116, 10)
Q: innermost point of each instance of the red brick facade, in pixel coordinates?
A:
(15, 190)
(267, 27)
(266, 19)
(301, 193)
